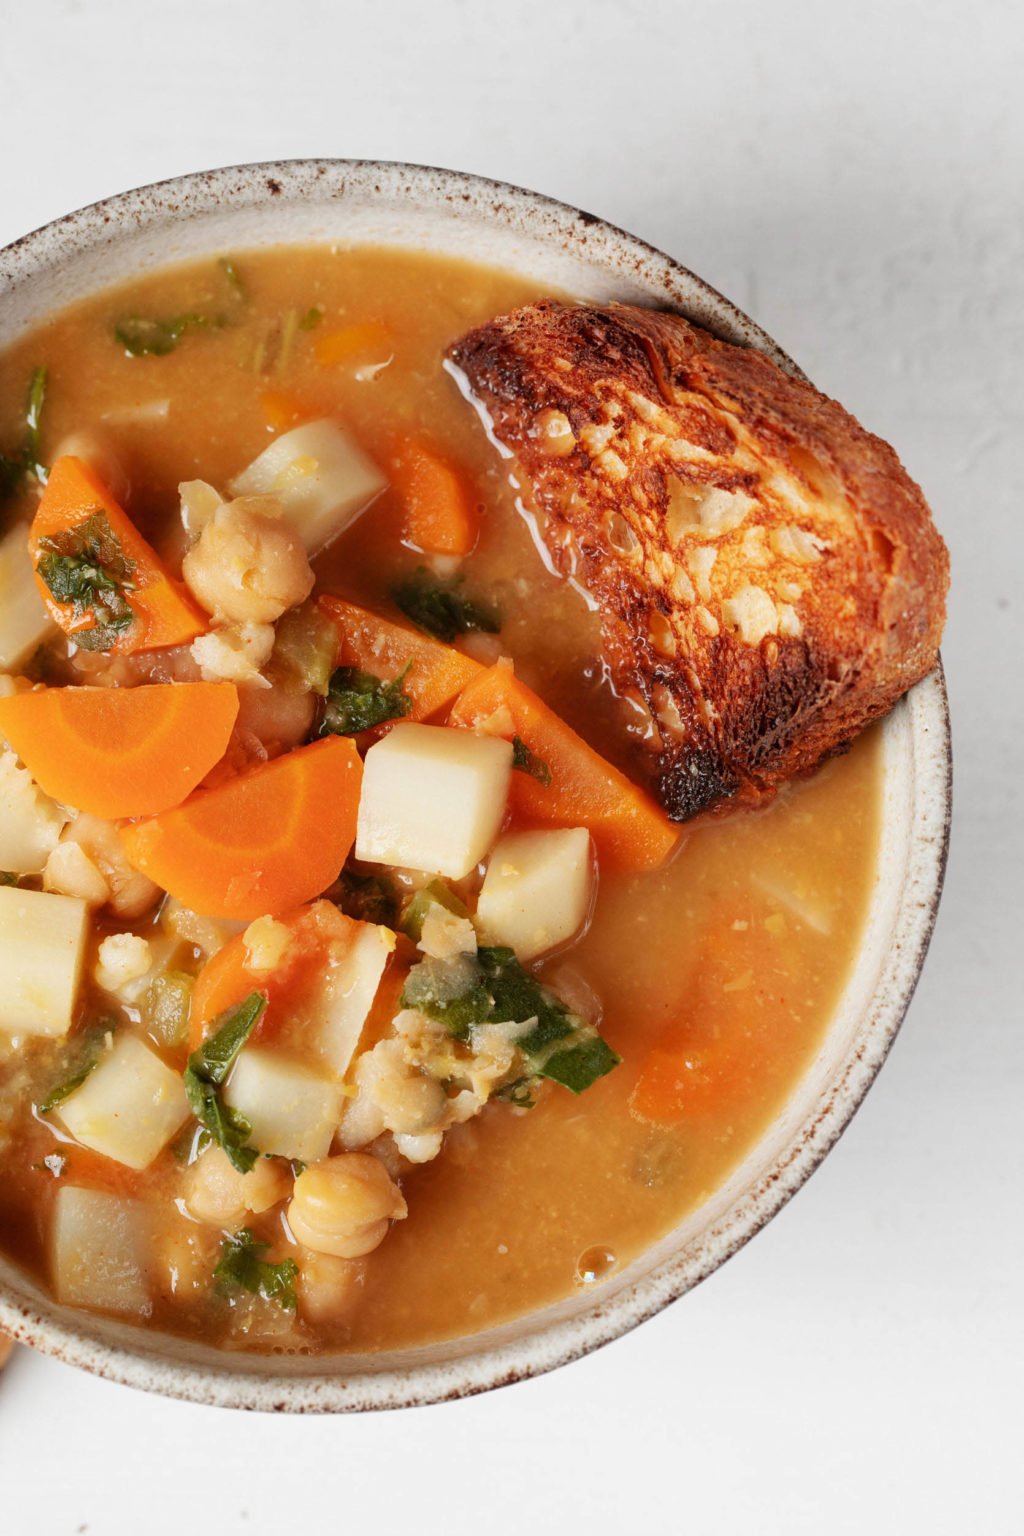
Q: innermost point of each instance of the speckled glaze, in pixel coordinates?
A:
(357, 202)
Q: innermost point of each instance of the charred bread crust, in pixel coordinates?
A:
(769, 575)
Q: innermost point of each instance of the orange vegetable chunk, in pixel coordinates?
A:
(163, 612)
(350, 341)
(436, 672)
(263, 842)
(439, 515)
(118, 752)
(629, 830)
(319, 934)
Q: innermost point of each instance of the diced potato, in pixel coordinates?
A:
(293, 1112)
(129, 1107)
(320, 476)
(24, 622)
(30, 822)
(100, 1251)
(349, 987)
(42, 944)
(432, 798)
(537, 890)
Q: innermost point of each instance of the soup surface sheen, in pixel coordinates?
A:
(728, 960)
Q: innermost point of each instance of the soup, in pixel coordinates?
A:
(375, 1001)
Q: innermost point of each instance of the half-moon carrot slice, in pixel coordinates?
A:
(439, 515)
(117, 752)
(131, 600)
(266, 841)
(436, 672)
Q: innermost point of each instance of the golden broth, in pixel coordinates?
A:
(736, 952)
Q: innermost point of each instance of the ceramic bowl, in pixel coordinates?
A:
(352, 202)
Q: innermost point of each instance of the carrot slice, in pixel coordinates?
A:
(335, 347)
(439, 515)
(118, 752)
(263, 842)
(283, 410)
(436, 672)
(225, 980)
(585, 791)
(161, 611)
(737, 1029)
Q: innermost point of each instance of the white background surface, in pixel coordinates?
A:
(851, 175)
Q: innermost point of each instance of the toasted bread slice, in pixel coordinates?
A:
(769, 575)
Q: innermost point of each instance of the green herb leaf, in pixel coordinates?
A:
(311, 319)
(240, 1264)
(357, 701)
(206, 1073)
(367, 898)
(528, 762)
(15, 466)
(450, 991)
(87, 567)
(142, 336)
(441, 610)
(434, 894)
(578, 1066)
(84, 1057)
(492, 987)
(7, 877)
(519, 1092)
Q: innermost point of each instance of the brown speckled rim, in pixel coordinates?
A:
(280, 202)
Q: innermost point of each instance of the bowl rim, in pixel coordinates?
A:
(63, 1333)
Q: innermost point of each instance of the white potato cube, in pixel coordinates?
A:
(129, 1107)
(42, 944)
(432, 799)
(537, 890)
(24, 622)
(99, 1254)
(320, 476)
(30, 822)
(350, 985)
(293, 1112)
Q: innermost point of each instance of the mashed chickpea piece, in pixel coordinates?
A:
(249, 565)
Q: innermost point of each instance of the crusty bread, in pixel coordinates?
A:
(769, 575)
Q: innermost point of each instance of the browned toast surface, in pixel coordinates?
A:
(769, 575)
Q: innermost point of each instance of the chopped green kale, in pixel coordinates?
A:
(357, 701)
(84, 1056)
(26, 460)
(241, 1265)
(440, 609)
(87, 567)
(528, 762)
(207, 1072)
(492, 987)
(311, 319)
(434, 894)
(142, 336)
(367, 898)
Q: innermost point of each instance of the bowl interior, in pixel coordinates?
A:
(365, 203)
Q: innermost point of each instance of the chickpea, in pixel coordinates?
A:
(329, 1288)
(216, 1192)
(343, 1205)
(410, 1105)
(131, 894)
(248, 565)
